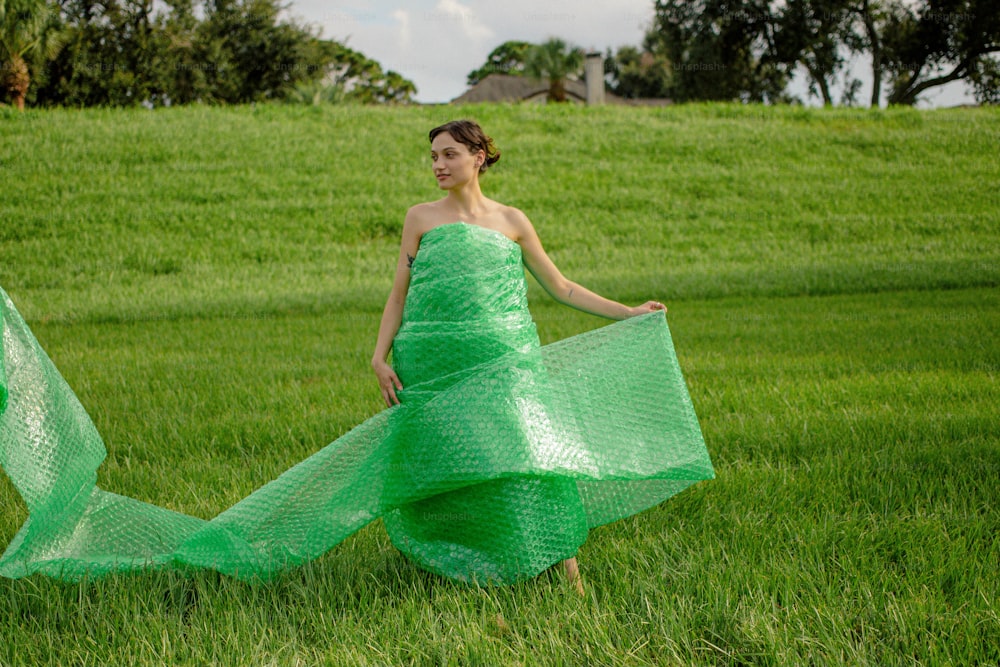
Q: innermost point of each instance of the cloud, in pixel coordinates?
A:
(465, 20)
(403, 19)
(597, 25)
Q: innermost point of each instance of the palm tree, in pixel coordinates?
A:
(315, 93)
(26, 28)
(555, 61)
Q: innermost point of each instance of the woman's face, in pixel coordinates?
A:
(452, 162)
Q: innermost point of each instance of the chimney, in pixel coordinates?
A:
(593, 68)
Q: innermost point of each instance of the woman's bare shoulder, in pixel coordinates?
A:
(518, 221)
(422, 210)
(421, 217)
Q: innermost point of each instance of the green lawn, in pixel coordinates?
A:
(210, 281)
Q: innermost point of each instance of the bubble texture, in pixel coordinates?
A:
(501, 456)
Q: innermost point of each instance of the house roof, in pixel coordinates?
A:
(513, 88)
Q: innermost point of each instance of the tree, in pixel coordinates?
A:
(179, 55)
(937, 42)
(249, 55)
(871, 16)
(634, 73)
(123, 53)
(719, 49)
(817, 35)
(363, 78)
(986, 81)
(27, 29)
(316, 94)
(508, 58)
(555, 61)
(746, 49)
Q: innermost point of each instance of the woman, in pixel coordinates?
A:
(460, 153)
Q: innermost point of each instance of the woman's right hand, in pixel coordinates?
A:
(648, 307)
(388, 382)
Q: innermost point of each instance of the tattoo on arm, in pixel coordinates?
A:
(409, 260)
(570, 293)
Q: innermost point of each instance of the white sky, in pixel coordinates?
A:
(436, 43)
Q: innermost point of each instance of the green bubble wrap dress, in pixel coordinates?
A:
(501, 456)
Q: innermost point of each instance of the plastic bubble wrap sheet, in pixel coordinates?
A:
(501, 456)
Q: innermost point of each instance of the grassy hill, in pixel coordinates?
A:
(275, 208)
(209, 281)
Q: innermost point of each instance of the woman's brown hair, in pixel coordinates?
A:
(469, 133)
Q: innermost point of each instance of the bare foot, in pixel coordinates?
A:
(573, 574)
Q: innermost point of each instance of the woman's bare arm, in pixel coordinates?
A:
(392, 314)
(563, 290)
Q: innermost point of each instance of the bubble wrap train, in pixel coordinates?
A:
(501, 456)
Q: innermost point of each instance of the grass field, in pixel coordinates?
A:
(209, 281)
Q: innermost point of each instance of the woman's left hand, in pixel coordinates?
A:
(647, 307)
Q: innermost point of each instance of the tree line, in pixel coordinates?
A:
(748, 50)
(131, 52)
(161, 52)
